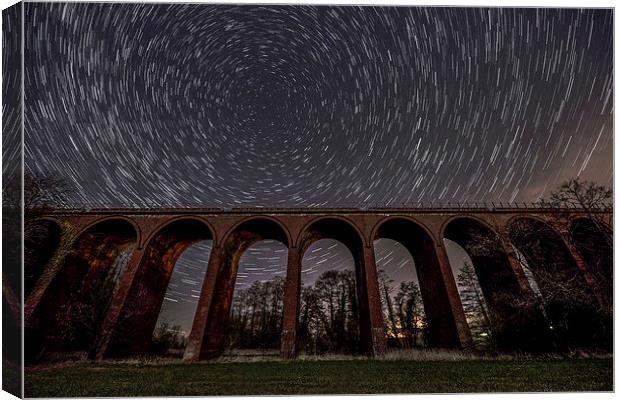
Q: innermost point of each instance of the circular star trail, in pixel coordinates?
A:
(228, 106)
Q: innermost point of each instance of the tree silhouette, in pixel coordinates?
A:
(390, 318)
(475, 308)
(411, 315)
(256, 316)
(592, 235)
(403, 312)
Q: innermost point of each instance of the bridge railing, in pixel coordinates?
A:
(362, 206)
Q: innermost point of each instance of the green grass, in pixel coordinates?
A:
(320, 377)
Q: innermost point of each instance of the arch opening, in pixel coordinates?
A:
(439, 326)
(176, 315)
(329, 310)
(135, 332)
(73, 307)
(401, 299)
(474, 304)
(515, 323)
(235, 245)
(255, 319)
(569, 303)
(333, 285)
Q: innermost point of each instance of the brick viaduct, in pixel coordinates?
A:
(87, 243)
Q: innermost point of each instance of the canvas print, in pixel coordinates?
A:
(222, 199)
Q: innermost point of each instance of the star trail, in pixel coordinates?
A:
(147, 105)
(176, 105)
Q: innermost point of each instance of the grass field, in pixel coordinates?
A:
(320, 377)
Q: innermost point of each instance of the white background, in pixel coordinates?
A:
(480, 3)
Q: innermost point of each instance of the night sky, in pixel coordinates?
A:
(228, 106)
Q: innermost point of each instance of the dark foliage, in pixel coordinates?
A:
(403, 313)
(256, 316)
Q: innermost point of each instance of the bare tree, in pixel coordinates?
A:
(329, 317)
(168, 339)
(385, 291)
(410, 310)
(475, 307)
(587, 196)
(559, 306)
(40, 192)
(255, 318)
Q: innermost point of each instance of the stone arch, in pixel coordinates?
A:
(261, 273)
(602, 220)
(570, 303)
(286, 239)
(234, 243)
(347, 233)
(412, 220)
(418, 240)
(80, 290)
(345, 220)
(50, 219)
(42, 238)
(163, 225)
(133, 223)
(514, 324)
(542, 245)
(137, 319)
(534, 217)
(482, 222)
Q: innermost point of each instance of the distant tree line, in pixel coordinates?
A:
(168, 339)
(328, 321)
(255, 318)
(329, 315)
